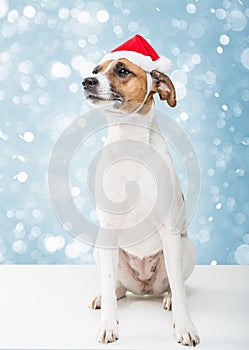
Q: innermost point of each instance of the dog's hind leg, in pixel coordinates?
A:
(167, 300)
(95, 303)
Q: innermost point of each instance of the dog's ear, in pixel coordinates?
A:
(164, 87)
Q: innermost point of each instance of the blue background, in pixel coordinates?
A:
(46, 47)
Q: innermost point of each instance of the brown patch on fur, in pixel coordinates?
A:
(131, 87)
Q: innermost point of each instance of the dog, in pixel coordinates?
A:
(161, 263)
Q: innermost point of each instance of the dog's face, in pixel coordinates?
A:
(122, 85)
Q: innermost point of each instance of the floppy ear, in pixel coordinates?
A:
(164, 87)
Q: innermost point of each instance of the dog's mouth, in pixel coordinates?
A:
(114, 97)
(95, 97)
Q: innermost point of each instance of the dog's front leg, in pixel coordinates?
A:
(186, 333)
(108, 324)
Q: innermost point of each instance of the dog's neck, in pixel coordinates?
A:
(130, 126)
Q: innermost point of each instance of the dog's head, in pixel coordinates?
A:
(122, 85)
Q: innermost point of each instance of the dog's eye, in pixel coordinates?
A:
(96, 70)
(123, 71)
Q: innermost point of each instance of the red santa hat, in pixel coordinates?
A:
(139, 51)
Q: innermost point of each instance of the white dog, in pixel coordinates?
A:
(155, 263)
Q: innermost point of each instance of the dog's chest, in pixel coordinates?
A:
(131, 191)
(126, 175)
(134, 158)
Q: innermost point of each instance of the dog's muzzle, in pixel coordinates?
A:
(99, 91)
(90, 86)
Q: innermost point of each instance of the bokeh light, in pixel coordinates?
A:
(47, 47)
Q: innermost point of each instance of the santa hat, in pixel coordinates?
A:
(139, 51)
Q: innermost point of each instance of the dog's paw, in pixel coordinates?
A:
(167, 302)
(187, 335)
(107, 334)
(95, 303)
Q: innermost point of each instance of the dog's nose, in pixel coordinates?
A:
(89, 83)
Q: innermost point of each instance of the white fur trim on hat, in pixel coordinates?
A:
(163, 64)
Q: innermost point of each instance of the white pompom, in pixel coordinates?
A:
(163, 64)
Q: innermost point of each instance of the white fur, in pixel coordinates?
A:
(104, 90)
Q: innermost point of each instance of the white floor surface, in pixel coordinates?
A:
(46, 307)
